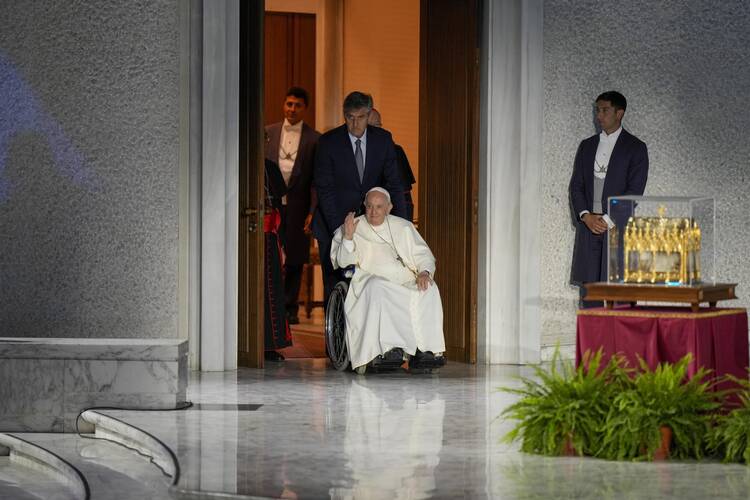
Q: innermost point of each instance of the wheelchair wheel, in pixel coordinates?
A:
(336, 327)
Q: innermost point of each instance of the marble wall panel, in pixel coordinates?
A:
(114, 349)
(31, 386)
(48, 394)
(120, 377)
(684, 69)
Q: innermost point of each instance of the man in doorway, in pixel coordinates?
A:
(407, 175)
(349, 161)
(611, 163)
(291, 144)
(392, 303)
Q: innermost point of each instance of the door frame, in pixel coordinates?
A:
(468, 232)
(250, 310)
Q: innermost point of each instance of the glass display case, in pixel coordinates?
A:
(667, 240)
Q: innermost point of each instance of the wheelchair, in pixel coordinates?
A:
(335, 337)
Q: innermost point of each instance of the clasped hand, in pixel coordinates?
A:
(350, 225)
(595, 223)
(423, 280)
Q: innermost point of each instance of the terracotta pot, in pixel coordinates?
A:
(662, 453)
(568, 450)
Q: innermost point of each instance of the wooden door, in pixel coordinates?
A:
(289, 61)
(250, 283)
(448, 167)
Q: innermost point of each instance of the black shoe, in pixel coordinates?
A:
(293, 319)
(390, 360)
(426, 361)
(273, 356)
(394, 355)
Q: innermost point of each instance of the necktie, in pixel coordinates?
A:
(359, 160)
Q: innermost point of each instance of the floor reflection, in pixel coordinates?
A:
(394, 435)
(530, 476)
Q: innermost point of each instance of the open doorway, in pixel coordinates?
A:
(290, 65)
(424, 83)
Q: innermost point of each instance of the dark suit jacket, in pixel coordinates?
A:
(407, 177)
(626, 175)
(274, 188)
(300, 196)
(337, 180)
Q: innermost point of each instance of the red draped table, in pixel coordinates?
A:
(716, 337)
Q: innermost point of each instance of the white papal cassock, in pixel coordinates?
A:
(384, 308)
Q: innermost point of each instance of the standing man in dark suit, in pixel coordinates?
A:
(291, 144)
(351, 160)
(407, 176)
(612, 163)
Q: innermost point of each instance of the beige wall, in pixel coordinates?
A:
(381, 57)
(328, 55)
(376, 50)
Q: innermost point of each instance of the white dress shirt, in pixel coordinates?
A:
(288, 147)
(604, 151)
(602, 157)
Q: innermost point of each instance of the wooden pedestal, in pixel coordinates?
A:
(634, 292)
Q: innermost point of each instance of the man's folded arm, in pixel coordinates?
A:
(638, 171)
(420, 252)
(576, 187)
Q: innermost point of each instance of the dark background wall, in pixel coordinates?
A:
(89, 164)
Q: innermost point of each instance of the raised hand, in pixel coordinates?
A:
(350, 225)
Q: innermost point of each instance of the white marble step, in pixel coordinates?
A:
(112, 429)
(42, 465)
(111, 471)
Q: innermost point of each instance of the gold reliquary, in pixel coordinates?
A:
(661, 240)
(661, 249)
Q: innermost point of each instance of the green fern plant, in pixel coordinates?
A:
(730, 436)
(661, 397)
(563, 404)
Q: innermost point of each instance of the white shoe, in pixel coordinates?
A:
(361, 369)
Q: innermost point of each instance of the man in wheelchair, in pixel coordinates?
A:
(392, 308)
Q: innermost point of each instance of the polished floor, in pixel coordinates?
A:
(299, 430)
(308, 340)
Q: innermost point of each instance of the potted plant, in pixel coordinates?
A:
(662, 413)
(561, 409)
(730, 437)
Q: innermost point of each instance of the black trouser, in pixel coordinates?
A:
(330, 276)
(597, 247)
(292, 282)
